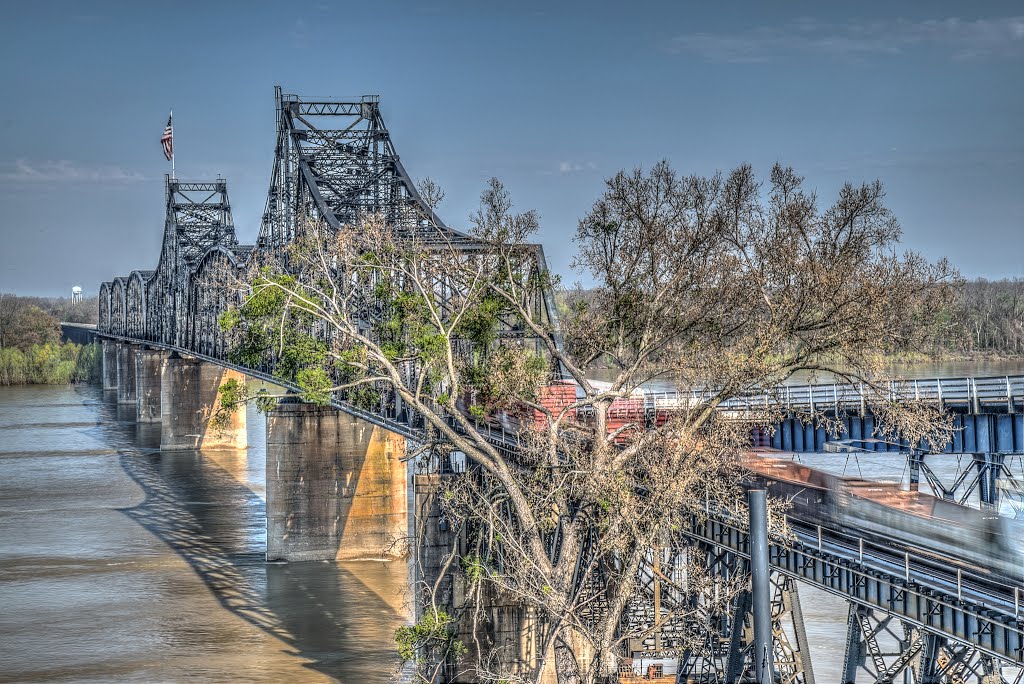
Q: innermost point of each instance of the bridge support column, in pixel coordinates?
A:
(507, 631)
(188, 396)
(916, 458)
(990, 467)
(126, 373)
(109, 365)
(760, 590)
(336, 486)
(148, 370)
(854, 656)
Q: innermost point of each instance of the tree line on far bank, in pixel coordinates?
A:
(985, 318)
(990, 316)
(31, 351)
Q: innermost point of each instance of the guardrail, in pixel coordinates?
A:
(1003, 393)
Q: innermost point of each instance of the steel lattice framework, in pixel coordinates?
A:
(335, 164)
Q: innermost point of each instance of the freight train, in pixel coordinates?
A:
(951, 534)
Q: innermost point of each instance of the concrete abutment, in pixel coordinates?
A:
(336, 486)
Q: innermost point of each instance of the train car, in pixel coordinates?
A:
(884, 511)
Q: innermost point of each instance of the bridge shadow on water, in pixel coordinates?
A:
(339, 617)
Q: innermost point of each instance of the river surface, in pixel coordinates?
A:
(119, 562)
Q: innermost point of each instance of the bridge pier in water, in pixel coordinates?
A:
(505, 628)
(109, 365)
(148, 383)
(188, 393)
(126, 373)
(336, 486)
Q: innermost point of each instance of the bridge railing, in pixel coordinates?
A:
(996, 393)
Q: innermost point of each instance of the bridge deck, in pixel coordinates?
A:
(951, 599)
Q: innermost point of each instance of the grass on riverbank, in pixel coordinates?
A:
(50, 364)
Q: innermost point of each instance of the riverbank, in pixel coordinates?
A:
(52, 363)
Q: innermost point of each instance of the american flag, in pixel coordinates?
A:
(167, 140)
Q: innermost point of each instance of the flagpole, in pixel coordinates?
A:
(172, 142)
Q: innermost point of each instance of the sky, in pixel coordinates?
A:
(550, 97)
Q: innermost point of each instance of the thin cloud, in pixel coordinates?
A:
(575, 167)
(66, 171)
(999, 38)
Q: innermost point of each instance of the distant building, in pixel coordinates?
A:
(76, 295)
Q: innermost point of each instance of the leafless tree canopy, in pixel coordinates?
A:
(716, 284)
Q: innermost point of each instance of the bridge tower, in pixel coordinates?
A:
(197, 219)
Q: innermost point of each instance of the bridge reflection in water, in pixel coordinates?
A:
(94, 526)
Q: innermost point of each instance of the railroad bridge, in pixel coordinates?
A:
(337, 482)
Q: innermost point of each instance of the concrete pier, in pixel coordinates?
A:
(109, 365)
(188, 397)
(148, 370)
(507, 631)
(126, 373)
(336, 486)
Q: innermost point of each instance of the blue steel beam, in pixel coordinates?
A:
(974, 433)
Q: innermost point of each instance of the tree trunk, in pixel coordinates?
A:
(567, 669)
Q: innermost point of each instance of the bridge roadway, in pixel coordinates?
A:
(949, 596)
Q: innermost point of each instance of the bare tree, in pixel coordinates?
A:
(704, 283)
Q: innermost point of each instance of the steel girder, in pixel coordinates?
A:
(117, 306)
(882, 649)
(990, 624)
(104, 317)
(726, 655)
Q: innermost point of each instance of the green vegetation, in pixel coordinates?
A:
(431, 640)
(990, 317)
(30, 348)
(51, 363)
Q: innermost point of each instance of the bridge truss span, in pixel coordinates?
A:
(336, 166)
(335, 162)
(956, 608)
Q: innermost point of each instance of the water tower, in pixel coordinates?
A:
(76, 295)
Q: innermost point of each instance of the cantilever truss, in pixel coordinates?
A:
(198, 219)
(335, 162)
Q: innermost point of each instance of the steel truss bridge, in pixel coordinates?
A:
(335, 163)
